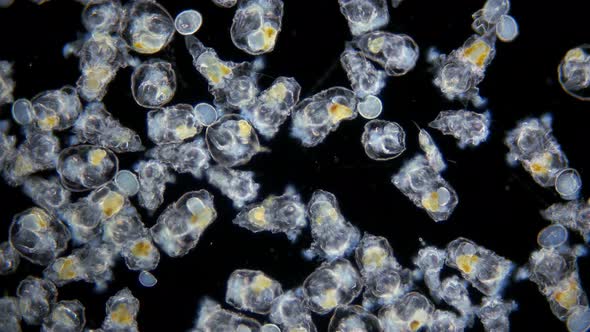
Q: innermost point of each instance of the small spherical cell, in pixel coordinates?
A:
(127, 182)
(552, 236)
(188, 22)
(370, 108)
(507, 28)
(22, 112)
(147, 279)
(205, 113)
(579, 319)
(568, 183)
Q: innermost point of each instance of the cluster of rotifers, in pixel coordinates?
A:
(210, 140)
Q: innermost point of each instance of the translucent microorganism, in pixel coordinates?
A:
(568, 183)
(232, 141)
(36, 298)
(396, 53)
(566, 295)
(189, 157)
(291, 313)
(83, 220)
(172, 124)
(102, 16)
(153, 83)
(383, 140)
(273, 106)
(211, 318)
(454, 292)
(38, 152)
(459, 73)
(9, 258)
(532, 144)
(180, 226)
(65, 316)
(237, 185)
(552, 236)
(493, 313)
(374, 255)
(433, 155)
(127, 182)
(6, 83)
(574, 72)
(579, 319)
(353, 318)
(124, 228)
(507, 28)
(370, 107)
(148, 26)
(46, 193)
(188, 22)
(97, 261)
(225, 3)
(333, 236)
(256, 25)
(121, 312)
(10, 314)
(548, 267)
(485, 270)
(469, 128)
(426, 188)
(410, 313)
(23, 112)
(37, 236)
(153, 176)
(141, 254)
(364, 78)
(146, 279)
(364, 15)
(284, 213)
(96, 126)
(574, 215)
(251, 290)
(332, 284)
(431, 260)
(205, 114)
(85, 167)
(316, 116)
(56, 109)
(488, 18)
(64, 270)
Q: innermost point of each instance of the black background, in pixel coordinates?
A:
(498, 205)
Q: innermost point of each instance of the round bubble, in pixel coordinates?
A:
(188, 22)
(370, 107)
(568, 183)
(507, 28)
(552, 236)
(127, 182)
(206, 114)
(22, 112)
(146, 279)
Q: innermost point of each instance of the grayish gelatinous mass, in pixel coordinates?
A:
(468, 127)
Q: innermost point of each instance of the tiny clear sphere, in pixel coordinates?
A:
(146, 279)
(270, 328)
(552, 236)
(444, 196)
(188, 22)
(370, 108)
(507, 28)
(205, 113)
(22, 111)
(127, 182)
(568, 183)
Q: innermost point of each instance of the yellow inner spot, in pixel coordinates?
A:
(374, 256)
(430, 201)
(244, 128)
(141, 249)
(201, 219)
(184, 131)
(415, 325)
(466, 262)
(260, 283)
(121, 315)
(376, 45)
(144, 47)
(112, 203)
(330, 299)
(216, 70)
(67, 270)
(278, 92)
(270, 36)
(574, 54)
(96, 156)
(256, 216)
(22, 166)
(48, 122)
(568, 297)
(477, 53)
(339, 112)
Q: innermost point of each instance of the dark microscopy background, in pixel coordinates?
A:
(499, 206)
